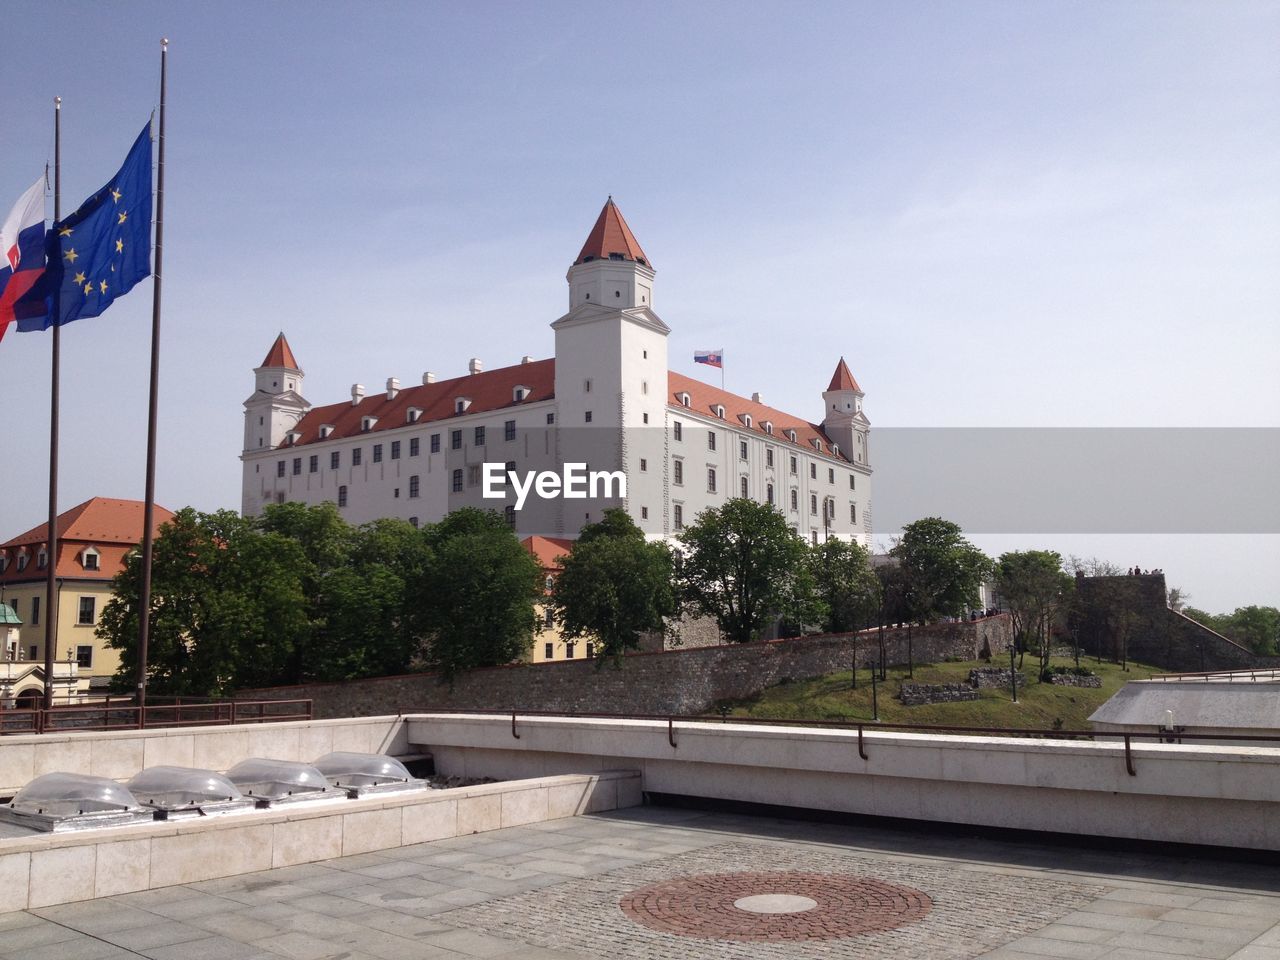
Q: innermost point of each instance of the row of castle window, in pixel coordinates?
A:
(743, 449)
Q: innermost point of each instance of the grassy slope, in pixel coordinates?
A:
(1038, 706)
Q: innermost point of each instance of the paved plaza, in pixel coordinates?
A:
(655, 883)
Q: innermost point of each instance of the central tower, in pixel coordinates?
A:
(611, 372)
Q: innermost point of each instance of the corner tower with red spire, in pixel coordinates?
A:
(844, 422)
(277, 404)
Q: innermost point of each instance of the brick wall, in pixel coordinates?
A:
(676, 681)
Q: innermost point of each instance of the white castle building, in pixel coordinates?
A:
(606, 399)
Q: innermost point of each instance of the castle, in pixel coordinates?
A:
(606, 399)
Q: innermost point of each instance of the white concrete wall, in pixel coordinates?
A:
(1227, 796)
(46, 869)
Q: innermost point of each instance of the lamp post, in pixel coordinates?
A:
(1013, 669)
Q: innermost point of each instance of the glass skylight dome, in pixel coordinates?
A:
(276, 781)
(364, 773)
(178, 790)
(73, 801)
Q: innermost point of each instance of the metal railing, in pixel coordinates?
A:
(1158, 735)
(1245, 675)
(126, 715)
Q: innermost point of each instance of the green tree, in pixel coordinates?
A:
(614, 585)
(1257, 628)
(943, 570)
(844, 582)
(1035, 588)
(742, 565)
(227, 607)
(475, 595)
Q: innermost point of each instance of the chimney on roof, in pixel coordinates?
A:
(429, 377)
(357, 393)
(526, 359)
(475, 366)
(756, 398)
(393, 387)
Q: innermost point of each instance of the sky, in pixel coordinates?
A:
(1017, 214)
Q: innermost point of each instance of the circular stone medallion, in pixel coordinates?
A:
(775, 906)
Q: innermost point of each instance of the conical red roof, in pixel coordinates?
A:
(611, 235)
(842, 379)
(280, 355)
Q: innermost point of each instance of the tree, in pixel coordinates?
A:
(1034, 587)
(1092, 567)
(227, 607)
(742, 565)
(844, 582)
(1177, 599)
(614, 585)
(1257, 628)
(475, 594)
(943, 570)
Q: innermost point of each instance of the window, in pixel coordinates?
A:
(813, 471)
(795, 503)
(644, 513)
(35, 610)
(335, 460)
(768, 493)
(586, 386)
(551, 418)
(479, 436)
(548, 651)
(90, 560)
(645, 417)
(853, 513)
(460, 405)
(568, 650)
(742, 487)
(742, 449)
(684, 399)
(297, 466)
(413, 487)
(356, 456)
(413, 522)
(591, 650)
(509, 430)
(813, 504)
(88, 607)
(644, 387)
(644, 464)
(813, 536)
(31, 652)
(588, 416)
(42, 559)
(677, 472)
(519, 393)
(455, 439)
(435, 443)
(508, 468)
(280, 468)
(455, 483)
(711, 479)
(719, 411)
(853, 482)
(793, 464)
(22, 562)
(711, 439)
(395, 449)
(377, 453)
(313, 463)
(768, 457)
(415, 446)
(473, 474)
(84, 656)
(831, 475)
(677, 429)
(677, 515)
(342, 496)
(509, 514)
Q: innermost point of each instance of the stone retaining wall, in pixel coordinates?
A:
(1071, 680)
(919, 694)
(684, 681)
(993, 677)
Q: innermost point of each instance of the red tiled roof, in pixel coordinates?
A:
(113, 527)
(611, 235)
(703, 399)
(842, 379)
(488, 391)
(546, 549)
(280, 355)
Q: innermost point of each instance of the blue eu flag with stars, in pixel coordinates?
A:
(99, 252)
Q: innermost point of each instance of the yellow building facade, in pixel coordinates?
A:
(549, 644)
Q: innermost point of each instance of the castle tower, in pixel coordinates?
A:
(277, 403)
(611, 370)
(844, 422)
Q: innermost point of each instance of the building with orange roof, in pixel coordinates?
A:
(606, 400)
(550, 644)
(93, 539)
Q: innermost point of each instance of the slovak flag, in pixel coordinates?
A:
(712, 358)
(21, 251)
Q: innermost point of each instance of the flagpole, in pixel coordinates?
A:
(51, 564)
(148, 510)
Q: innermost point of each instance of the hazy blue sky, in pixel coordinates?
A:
(1002, 214)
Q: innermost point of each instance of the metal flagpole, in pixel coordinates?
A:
(148, 510)
(51, 561)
